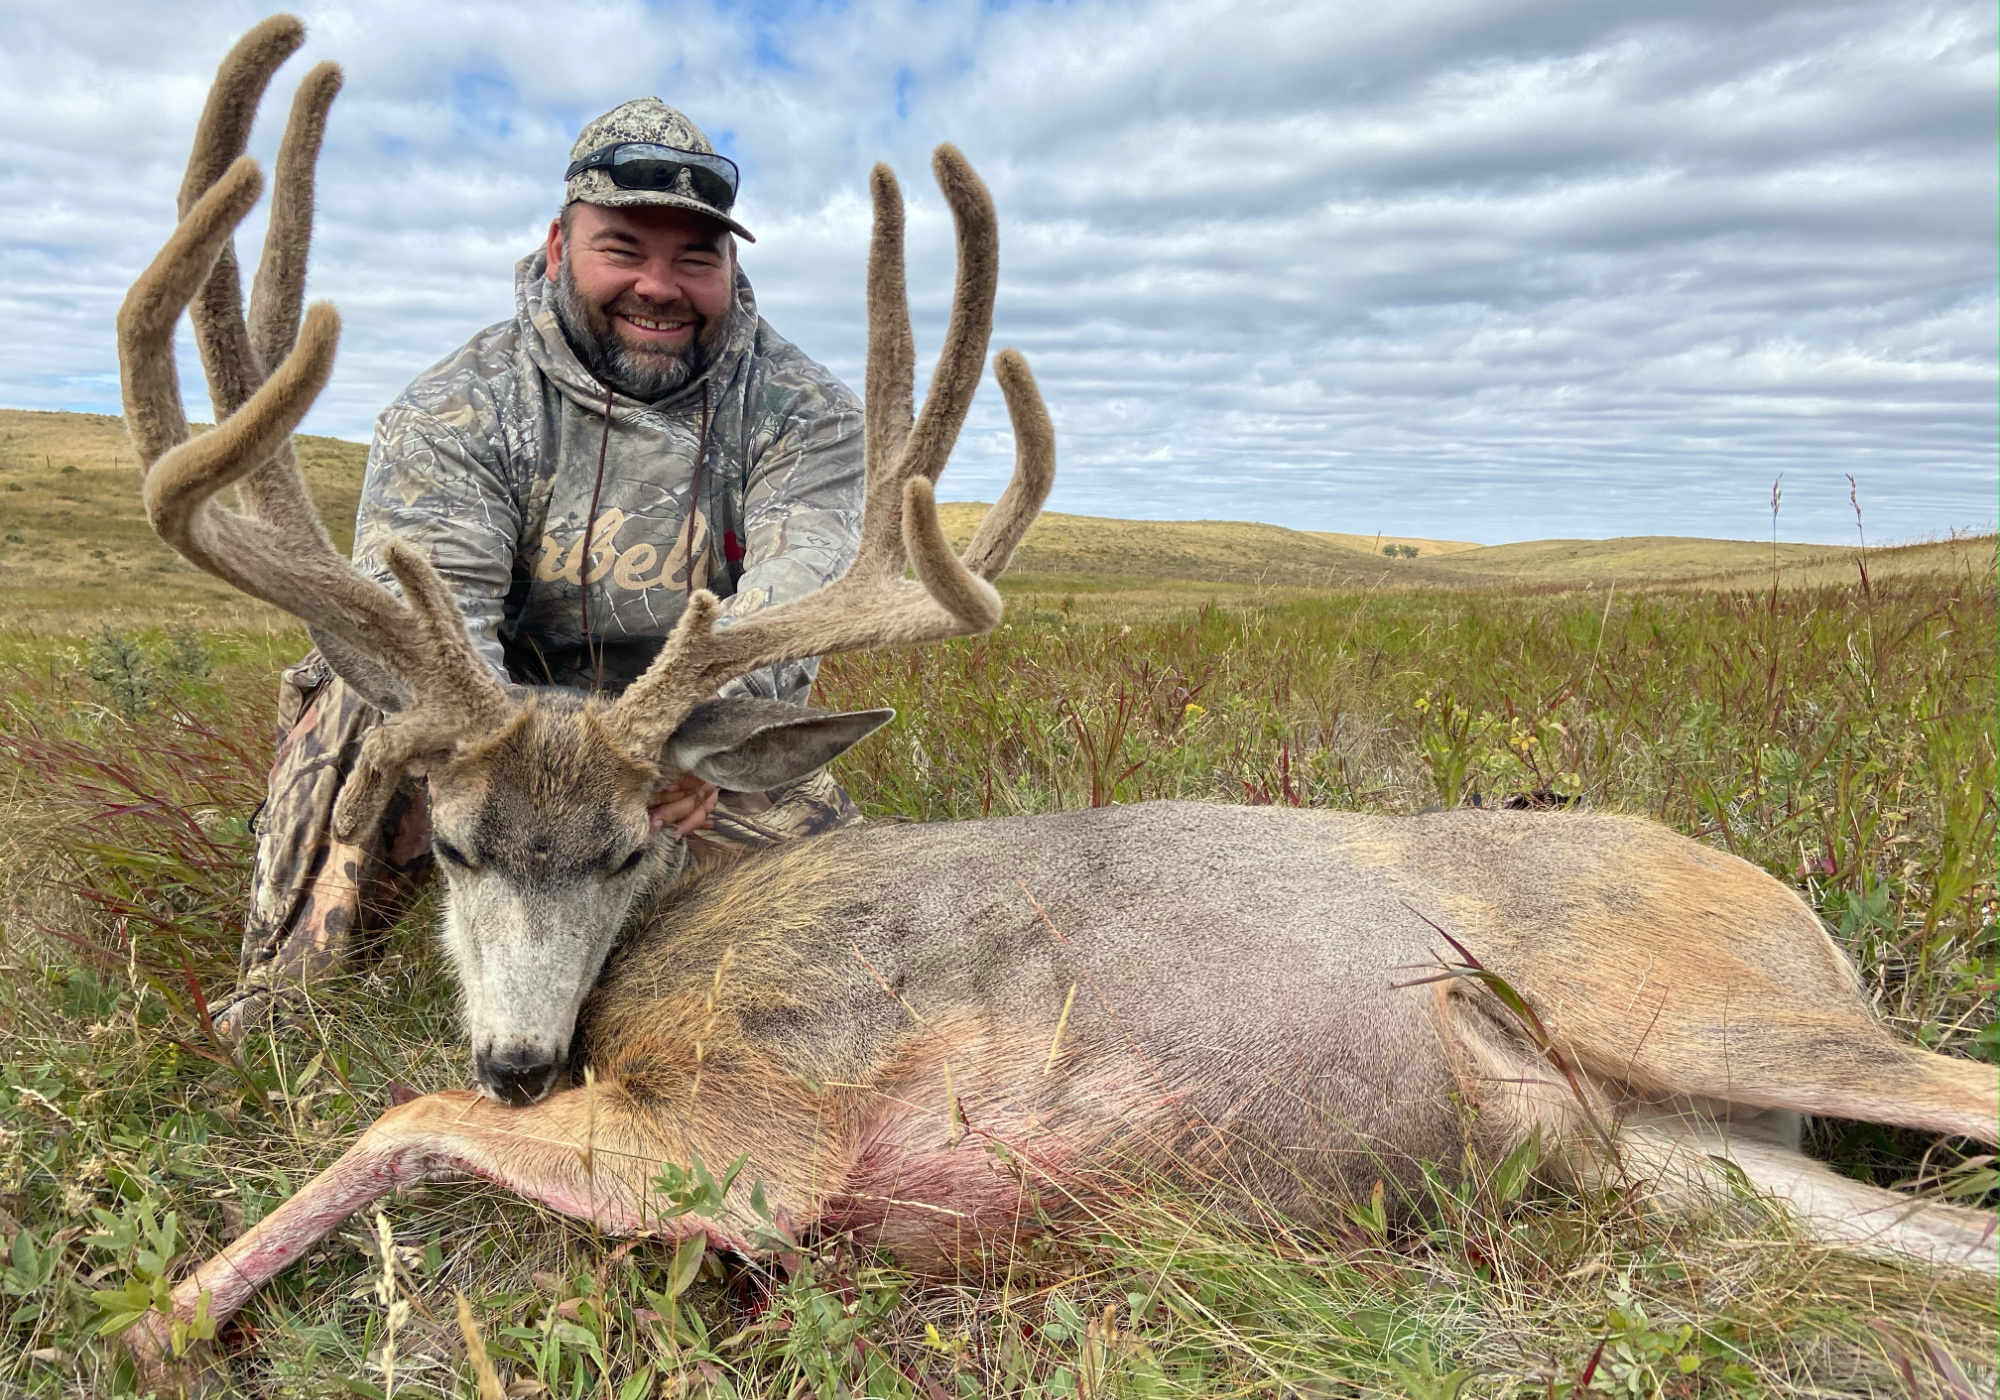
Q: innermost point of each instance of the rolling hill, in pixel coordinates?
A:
(75, 547)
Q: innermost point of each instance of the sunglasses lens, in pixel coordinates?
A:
(633, 169)
(712, 188)
(645, 174)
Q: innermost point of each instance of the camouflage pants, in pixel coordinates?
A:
(314, 899)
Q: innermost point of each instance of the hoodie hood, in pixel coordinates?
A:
(542, 336)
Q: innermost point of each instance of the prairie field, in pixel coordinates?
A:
(1843, 740)
(1840, 735)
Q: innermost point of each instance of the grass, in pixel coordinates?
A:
(1843, 740)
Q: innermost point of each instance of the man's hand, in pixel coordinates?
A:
(685, 805)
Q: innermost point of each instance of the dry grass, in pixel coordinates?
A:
(75, 548)
(1844, 741)
(1372, 544)
(1647, 561)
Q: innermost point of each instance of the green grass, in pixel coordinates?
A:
(1845, 742)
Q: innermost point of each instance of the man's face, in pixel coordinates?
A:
(644, 293)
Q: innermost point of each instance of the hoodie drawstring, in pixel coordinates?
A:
(694, 502)
(594, 651)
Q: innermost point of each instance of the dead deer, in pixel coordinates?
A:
(935, 1037)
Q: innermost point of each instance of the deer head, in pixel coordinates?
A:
(539, 796)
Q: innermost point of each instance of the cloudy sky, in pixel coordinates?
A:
(1475, 269)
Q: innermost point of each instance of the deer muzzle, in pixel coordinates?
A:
(517, 1076)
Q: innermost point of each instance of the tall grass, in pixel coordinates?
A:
(1846, 743)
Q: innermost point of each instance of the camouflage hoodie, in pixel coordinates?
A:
(489, 459)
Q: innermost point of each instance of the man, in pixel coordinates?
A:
(634, 432)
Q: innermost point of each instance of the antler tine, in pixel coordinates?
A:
(276, 490)
(993, 544)
(892, 347)
(872, 605)
(240, 79)
(148, 378)
(221, 136)
(277, 293)
(956, 378)
(897, 448)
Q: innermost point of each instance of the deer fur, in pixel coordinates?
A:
(941, 1038)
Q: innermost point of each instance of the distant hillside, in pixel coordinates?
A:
(1081, 551)
(1655, 561)
(1373, 544)
(1637, 558)
(75, 546)
(74, 542)
(1084, 547)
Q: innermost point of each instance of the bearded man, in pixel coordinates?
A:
(634, 432)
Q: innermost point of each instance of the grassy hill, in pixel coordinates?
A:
(1372, 544)
(75, 548)
(1090, 554)
(1088, 548)
(1656, 561)
(74, 543)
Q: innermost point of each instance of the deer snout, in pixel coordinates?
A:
(519, 1076)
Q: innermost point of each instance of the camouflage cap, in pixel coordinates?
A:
(643, 119)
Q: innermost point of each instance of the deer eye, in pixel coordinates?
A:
(631, 862)
(450, 854)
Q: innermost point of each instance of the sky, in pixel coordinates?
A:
(1483, 270)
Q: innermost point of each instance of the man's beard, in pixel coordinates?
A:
(643, 373)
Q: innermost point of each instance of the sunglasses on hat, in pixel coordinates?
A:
(645, 165)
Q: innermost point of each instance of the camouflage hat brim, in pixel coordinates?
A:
(595, 187)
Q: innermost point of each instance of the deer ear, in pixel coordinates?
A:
(747, 744)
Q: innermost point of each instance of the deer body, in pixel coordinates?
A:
(940, 1037)
(1255, 998)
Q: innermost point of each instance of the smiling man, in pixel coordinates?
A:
(633, 432)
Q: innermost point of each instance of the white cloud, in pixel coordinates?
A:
(1489, 269)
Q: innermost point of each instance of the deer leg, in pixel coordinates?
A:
(591, 1153)
(1678, 1154)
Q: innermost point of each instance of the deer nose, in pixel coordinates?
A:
(517, 1077)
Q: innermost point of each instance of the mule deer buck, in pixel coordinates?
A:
(1252, 1002)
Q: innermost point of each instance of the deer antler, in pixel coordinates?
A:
(237, 356)
(873, 605)
(410, 656)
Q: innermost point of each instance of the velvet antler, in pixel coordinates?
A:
(413, 656)
(872, 604)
